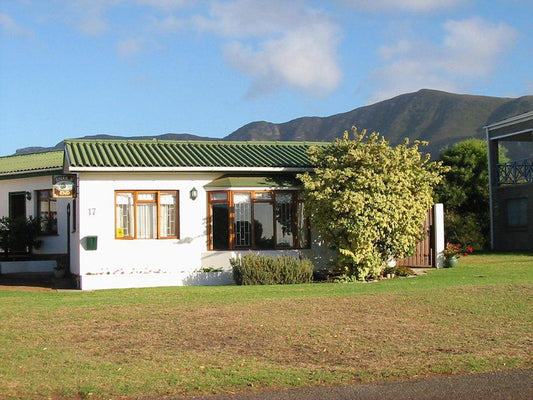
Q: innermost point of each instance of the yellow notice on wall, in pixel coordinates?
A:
(120, 232)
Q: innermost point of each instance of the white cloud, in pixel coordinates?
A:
(470, 51)
(169, 24)
(130, 47)
(277, 43)
(89, 16)
(241, 18)
(165, 4)
(417, 6)
(472, 45)
(10, 27)
(302, 59)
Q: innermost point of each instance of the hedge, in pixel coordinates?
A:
(256, 269)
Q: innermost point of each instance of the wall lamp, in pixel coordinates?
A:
(193, 194)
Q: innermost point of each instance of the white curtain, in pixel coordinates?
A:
(167, 207)
(124, 214)
(146, 220)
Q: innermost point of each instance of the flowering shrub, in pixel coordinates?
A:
(456, 250)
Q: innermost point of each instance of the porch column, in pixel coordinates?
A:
(438, 234)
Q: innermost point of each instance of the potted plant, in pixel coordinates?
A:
(452, 252)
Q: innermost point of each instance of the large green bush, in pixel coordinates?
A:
(465, 193)
(256, 269)
(368, 200)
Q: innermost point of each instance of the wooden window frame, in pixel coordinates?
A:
(157, 202)
(254, 199)
(210, 218)
(50, 198)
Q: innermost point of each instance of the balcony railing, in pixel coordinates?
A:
(515, 172)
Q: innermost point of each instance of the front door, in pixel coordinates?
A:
(17, 205)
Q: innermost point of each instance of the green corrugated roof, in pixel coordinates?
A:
(155, 153)
(254, 181)
(30, 163)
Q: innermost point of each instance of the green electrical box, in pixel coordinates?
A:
(92, 242)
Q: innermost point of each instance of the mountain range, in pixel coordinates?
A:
(438, 117)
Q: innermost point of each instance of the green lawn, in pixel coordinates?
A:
(191, 340)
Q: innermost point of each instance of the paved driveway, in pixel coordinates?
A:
(508, 385)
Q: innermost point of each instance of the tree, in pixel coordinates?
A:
(368, 200)
(464, 192)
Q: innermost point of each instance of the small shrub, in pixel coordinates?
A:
(402, 270)
(345, 278)
(399, 270)
(211, 269)
(255, 269)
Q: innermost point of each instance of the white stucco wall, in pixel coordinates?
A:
(120, 263)
(136, 263)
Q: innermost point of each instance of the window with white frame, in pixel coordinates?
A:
(146, 215)
(257, 220)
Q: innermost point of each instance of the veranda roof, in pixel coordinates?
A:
(267, 181)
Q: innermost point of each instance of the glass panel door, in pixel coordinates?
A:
(263, 226)
(243, 219)
(284, 220)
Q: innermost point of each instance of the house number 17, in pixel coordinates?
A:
(92, 211)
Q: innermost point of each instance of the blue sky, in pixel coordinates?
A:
(70, 68)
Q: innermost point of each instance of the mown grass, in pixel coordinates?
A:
(193, 340)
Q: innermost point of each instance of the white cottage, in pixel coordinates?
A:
(159, 213)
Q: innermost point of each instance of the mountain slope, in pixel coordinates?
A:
(166, 136)
(438, 117)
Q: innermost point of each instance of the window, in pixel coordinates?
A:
(257, 220)
(517, 213)
(47, 211)
(219, 220)
(146, 215)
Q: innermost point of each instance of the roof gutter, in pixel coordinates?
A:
(188, 169)
(31, 172)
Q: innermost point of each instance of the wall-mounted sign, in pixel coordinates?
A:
(64, 186)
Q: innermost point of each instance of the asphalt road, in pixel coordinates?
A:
(508, 385)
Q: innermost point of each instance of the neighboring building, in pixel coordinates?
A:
(511, 185)
(154, 213)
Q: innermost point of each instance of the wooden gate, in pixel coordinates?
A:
(424, 255)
